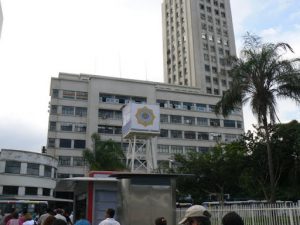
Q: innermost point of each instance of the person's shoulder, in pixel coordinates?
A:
(102, 222)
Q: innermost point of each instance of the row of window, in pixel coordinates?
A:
(67, 94)
(120, 99)
(216, 81)
(66, 143)
(68, 111)
(210, 28)
(193, 135)
(217, 11)
(178, 134)
(31, 168)
(66, 175)
(71, 161)
(67, 126)
(212, 38)
(14, 190)
(190, 106)
(200, 121)
(221, 51)
(178, 149)
(210, 19)
(216, 3)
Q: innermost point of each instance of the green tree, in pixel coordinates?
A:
(261, 75)
(285, 144)
(216, 172)
(106, 155)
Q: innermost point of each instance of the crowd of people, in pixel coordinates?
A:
(194, 215)
(50, 217)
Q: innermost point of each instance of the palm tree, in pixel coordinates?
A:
(106, 155)
(260, 76)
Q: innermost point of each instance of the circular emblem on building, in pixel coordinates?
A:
(145, 116)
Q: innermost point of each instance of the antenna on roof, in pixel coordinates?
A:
(146, 70)
(120, 67)
(95, 65)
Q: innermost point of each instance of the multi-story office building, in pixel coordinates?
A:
(84, 104)
(197, 38)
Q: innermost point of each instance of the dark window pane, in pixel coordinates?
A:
(47, 171)
(33, 169)
(79, 143)
(229, 123)
(46, 191)
(12, 167)
(10, 190)
(164, 133)
(64, 160)
(63, 175)
(65, 143)
(31, 190)
(80, 111)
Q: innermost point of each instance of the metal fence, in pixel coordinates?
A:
(257, 214)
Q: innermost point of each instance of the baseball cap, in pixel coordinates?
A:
(195, 211)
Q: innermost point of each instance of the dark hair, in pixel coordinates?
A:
(50, 211)
(59, 222)
(110, 212)
(59, 211)
(15, 215)
(49, 220)
(232, 218)
(160, 221)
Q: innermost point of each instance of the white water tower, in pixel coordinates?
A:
(141, 127)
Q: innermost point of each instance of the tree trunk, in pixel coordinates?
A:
(270, 163)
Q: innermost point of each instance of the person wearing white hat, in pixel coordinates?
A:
(196, 215)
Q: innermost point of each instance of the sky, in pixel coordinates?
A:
(119, 38)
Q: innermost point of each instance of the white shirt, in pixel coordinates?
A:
(60, 217)
(29, 222)
(109, 221)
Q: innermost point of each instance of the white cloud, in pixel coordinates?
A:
(270, 32)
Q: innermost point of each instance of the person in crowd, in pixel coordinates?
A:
(22, 216)
(49, 220)
(67, 216)
(160, 221)
(59, 215)
(82, 222)
(109, 218)
(196, 215)
(232, 218)
(59, 222)
(6, 218)
(28, 219)
(14, 220)
(43, 217)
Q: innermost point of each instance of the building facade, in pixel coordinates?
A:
(27, 175)
(197, 39)
(84, 104)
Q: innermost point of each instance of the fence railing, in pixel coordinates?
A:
(256, 214)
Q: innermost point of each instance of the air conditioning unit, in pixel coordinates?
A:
(116, 100)
(188, 121)
(111, 100)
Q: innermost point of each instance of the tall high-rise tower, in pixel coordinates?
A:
(197, 38)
